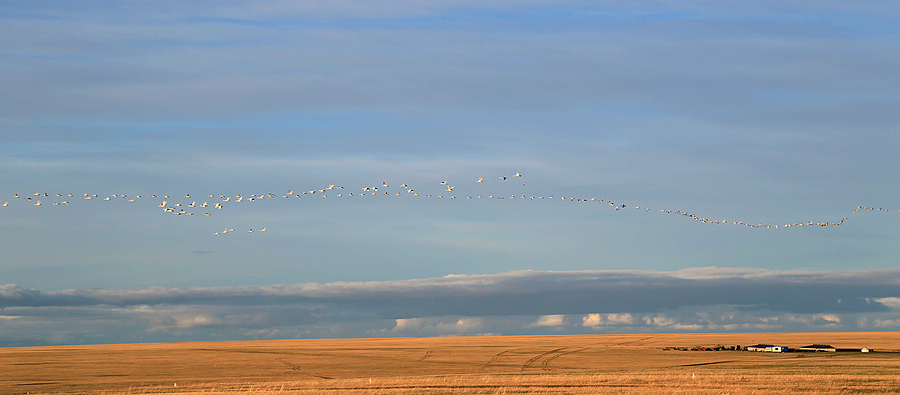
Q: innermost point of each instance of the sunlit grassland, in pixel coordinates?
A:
(461, 365)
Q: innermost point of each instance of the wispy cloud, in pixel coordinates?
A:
(525, 292)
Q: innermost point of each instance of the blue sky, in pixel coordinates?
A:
(769, 113)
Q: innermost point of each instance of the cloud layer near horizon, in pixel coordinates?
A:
(698, 299)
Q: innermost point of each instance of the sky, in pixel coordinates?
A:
(434, 168)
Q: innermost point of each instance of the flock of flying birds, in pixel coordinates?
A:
(207, 207)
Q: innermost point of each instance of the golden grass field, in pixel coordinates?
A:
(586, 364)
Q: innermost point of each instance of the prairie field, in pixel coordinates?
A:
(584, 364)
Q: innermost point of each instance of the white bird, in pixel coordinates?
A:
(517, 175)
(263, 229)
(480, 179)
(5, 204)
(449, 188)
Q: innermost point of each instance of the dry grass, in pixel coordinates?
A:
(604, 364)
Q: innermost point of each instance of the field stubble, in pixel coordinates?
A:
(608, 364)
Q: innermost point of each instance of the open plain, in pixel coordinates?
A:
(585, 364)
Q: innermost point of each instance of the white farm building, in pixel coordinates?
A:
(767, 348)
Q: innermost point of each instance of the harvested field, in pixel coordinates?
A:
(461, 365)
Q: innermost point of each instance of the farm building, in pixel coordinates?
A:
(767, 348)
(817, 348)
(758, 347)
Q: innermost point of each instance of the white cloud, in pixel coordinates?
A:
(194, 321)
(832, 318)
(614, 319)
(438, 326)
(591, 320)
(892, 302)
(886, 323)
(555, 320)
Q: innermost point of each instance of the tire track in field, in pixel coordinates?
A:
(299, 369)
(427, 354)
(704, 363)
(496, 358)
(552, 354)
(636, 342)
(546, 363)
(541, 360)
